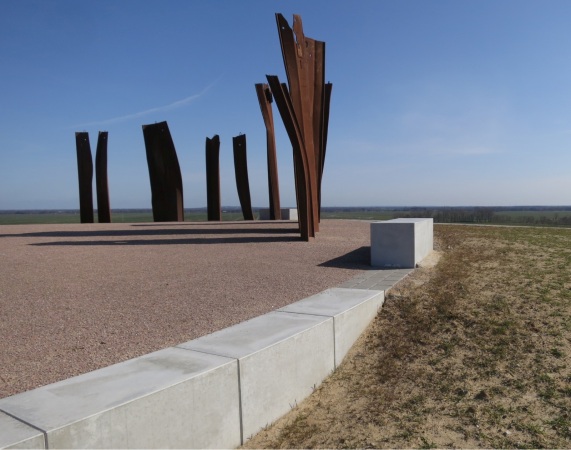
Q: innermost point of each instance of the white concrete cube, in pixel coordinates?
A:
(173, 398)
(401, 243)
(352, 311)
(281, 357)
(287, 214)
(16, 434)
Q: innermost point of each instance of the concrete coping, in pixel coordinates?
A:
(211, 392)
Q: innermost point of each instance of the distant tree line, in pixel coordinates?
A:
(490, 215)
(452, 215)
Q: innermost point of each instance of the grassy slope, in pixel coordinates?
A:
(477, 356)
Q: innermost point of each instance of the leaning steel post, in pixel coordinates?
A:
(85, 176)
(213, 206)
(241, 172)
(301, 163)
(164, 174)
(101, 181)
(265, 100)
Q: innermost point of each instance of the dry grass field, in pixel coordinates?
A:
(473, 352)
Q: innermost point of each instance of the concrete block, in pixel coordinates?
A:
(287, 214)
(400, 243)
(170, 398)
(16, 434)
(352, 311)
(281, 357)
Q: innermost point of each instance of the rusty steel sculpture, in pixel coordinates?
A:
(304, 109)
(241, 171)
(164, 174)
(101, 182)
(213, 207)
(85, 175)
(323, 141)
(265, 101)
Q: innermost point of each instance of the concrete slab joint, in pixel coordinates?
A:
(280, 356)
(352, 310)
(171, 398)
(16, 434)
(401, 243)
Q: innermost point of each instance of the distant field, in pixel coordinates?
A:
(524, 213)
(536, 214)
(361, 215)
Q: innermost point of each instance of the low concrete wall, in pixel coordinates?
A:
(212, 392)
(401, 243)
(287, 214)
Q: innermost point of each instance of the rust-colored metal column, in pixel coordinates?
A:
(265, 100)
(85, 175)
(241, 171)
(304, 60)
(164, 174)
(101, 182)
(301, 163)
(213, 206)
(324, 130)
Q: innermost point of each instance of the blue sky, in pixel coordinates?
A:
(434, 102)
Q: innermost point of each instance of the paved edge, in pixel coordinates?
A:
(213, 392)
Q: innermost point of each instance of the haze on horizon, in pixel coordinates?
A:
(434, 102)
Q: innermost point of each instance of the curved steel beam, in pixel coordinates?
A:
(164, 173)
(304, 60)
(265, 101)
(85, 175)
(301, 162)
(241, 171)
(101, 182)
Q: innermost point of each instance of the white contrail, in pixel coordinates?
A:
(174, 105)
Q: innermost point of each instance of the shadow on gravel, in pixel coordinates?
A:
(358, 259)
(189, 241)
(155, 232)
(232, 223)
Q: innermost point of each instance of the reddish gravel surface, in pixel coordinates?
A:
(74, 298)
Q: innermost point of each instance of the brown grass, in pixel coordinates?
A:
(474, 352)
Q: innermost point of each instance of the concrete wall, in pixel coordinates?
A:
(212, 392)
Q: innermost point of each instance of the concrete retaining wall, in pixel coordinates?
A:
(212, 392)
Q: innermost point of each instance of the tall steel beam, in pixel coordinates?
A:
(324, 133)
(213, 206)
(302, 166)
(101, 181)
(85, 176)
(164, 174)
(241, 171)
(265, 101)
(304, 61)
